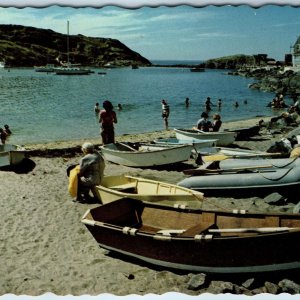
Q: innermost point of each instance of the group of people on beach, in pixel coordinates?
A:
(204, 124)
(4, 133)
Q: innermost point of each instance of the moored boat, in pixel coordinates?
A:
(11, 154)
(197, 241)
(47, 68)
(113, 188)
(197, 69)
(145, 155)
(224, 138)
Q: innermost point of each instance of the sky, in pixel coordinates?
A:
(181, 32)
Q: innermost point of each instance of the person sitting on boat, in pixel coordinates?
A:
(107, 118)
(91, 170)
(165, 112)
(204, 124)
(216, 123)
(7, 130)
(2, 136)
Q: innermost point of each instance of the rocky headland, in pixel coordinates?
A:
(273, 80)
(23, 46)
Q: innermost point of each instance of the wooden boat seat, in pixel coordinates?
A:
(131, 186)
(198, 228)
(149, 229)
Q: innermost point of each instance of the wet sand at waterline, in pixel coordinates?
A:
(45, 247)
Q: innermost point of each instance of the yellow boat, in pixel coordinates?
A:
(113, 188)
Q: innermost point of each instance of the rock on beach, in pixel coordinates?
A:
(45, 247)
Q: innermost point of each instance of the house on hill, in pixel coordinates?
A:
(296, 53)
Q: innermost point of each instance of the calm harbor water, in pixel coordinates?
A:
(41, 107)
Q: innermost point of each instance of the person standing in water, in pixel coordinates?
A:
(187, 102)
(165, 112)
(107, 118)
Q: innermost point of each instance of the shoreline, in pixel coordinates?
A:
(139, 137)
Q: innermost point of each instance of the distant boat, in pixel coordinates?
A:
(2, 64)
(197, 69)
(68, 68)
(134, 67)
(47, 68)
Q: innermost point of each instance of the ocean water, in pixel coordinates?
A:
(41, 107)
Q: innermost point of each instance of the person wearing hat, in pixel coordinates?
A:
(91, 171)
(107, 118)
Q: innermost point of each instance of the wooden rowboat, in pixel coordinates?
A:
(11, 154)
(145, 155)
(197, 241)
(113, 188)
(224, 138)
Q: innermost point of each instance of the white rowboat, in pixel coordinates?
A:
(11, 154)
(224, 138)
(143, 155)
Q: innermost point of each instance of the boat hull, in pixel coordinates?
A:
(224, 138)
(11, 155)
(146, 156)
(121, 226)
(199, 145)
(252, 183)
(113, 188)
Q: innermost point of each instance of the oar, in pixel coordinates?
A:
(214, 157)
(231, 170)
(129, 147)
(256, 230)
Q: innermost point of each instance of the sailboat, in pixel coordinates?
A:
(68, 68)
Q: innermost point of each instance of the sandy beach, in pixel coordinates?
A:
(45, 247)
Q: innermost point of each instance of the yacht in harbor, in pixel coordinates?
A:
(68, 68)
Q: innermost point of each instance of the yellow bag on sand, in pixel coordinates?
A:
(73, 181)
(295, 152)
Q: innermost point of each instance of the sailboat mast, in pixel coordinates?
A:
(68, 58)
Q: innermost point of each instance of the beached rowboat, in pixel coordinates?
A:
(113, 188)
(199, 145)
(247, 183)
(224, 138)
(145, 155)
(11, 154)
(197, 241)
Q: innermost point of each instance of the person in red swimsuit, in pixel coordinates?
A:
(107, 118)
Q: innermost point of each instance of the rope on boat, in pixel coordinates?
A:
(275, 179)
(280, 167)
